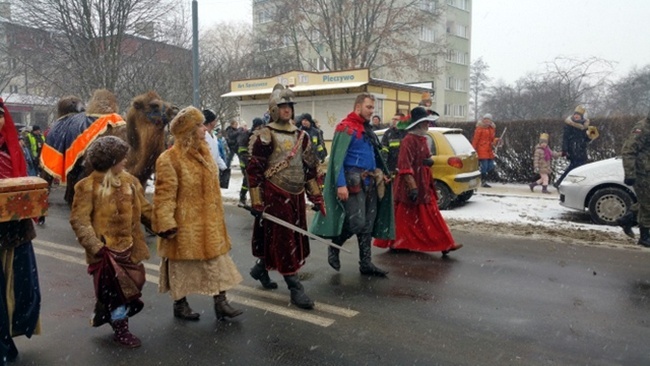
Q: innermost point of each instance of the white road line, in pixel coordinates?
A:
(318, 306)
(280, 310)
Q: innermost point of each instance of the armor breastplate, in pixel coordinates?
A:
(291, 178)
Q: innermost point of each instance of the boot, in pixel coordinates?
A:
(298, 296)
(222, 309)
(445, 253)
(644, 237)
(242, 199)
(100, 316)
(333, 258)
(532, 186)
(484, 181)
(183, 311)
(545, 190)
(122, 334)
(260, 273)
(365, 264)
(626, 222)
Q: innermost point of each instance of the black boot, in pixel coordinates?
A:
(484, 183)
(365, 263)
(260, 273)
(183, 311)
(626, 222)
(645, 237)
(298, 296)
(222, 309)
(333, 258)
(242, 199)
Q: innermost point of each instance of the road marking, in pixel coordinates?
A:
(280, 310)
(318, 306)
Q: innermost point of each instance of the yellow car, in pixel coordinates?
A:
(455, 165)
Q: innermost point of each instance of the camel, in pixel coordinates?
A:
(72, 133)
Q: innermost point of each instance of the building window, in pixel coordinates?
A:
(450, 2)
(13, 89)
(426, 65)
(428, 5)
(448, 109)
(427, 34)
(264, 16)
(462, 4)
(460, 110)
(462, 31)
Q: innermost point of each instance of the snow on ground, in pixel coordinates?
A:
(512, 210)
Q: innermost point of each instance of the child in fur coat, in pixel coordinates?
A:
(542, 163)
(107, 210)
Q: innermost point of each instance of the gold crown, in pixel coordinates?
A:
(580, 109)
(544, 136)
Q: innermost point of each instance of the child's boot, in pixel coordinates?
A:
(545, 190)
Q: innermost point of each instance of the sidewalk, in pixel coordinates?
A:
(518, 190)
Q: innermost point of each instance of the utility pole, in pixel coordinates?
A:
(195, 54)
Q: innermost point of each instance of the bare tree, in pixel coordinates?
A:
(553, 93)
(344, 34)
(226, 55)
(631, 94)
(478, 80)
(87, 46)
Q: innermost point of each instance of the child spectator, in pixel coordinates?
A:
(542, 163)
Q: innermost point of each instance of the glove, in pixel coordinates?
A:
(168, 234)
(319, 204)
(629, 181)
(413, 194)
(257, 211)
(427, 162)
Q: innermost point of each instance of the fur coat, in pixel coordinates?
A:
(188, 198)
(113, 220)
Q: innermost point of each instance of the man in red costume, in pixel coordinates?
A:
(419, 224)
(281, 169)
(20, 296)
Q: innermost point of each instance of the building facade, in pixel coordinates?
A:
(444, 38)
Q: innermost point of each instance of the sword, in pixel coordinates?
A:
(296, 229)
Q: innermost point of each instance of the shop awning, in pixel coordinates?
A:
(299, 88)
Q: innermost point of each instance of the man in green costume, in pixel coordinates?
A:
(357, 195)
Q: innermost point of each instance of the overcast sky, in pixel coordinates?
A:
(515, 37)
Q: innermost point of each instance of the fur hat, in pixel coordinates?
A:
(543, 137)
(487, 116)
(420, 114)
(105, 152)
(307, 116)
(209, 115)
(186, 121)
(580, 109)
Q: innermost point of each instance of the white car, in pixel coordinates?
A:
(598, 187)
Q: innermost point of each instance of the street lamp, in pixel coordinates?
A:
(195, 53)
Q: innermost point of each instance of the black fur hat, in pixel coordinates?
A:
(105, 152)
(209, 116)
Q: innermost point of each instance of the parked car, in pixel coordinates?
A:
(598, 187)
(455, 165)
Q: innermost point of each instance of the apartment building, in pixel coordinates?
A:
(444, 70)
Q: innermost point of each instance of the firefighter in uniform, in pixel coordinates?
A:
(636, 164)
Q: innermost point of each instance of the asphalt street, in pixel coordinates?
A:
(497, 301)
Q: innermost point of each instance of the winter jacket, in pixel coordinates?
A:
(113, 220)
(484, 140)
(575, 139)
(188, 198)
(540, 162)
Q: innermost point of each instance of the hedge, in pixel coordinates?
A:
(514, 161)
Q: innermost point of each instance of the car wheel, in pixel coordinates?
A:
(445, 197)
(465, 196)
(609, 204)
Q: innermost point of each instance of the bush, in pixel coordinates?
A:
(514, 161)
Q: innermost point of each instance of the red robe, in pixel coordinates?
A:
(419, 226)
